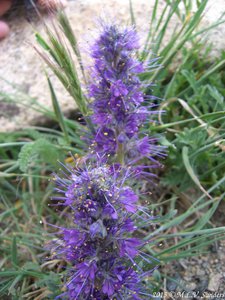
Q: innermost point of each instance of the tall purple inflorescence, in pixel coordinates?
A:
(120, 107)
(100, 244)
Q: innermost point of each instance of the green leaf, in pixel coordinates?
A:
(68, 31)
(63, 66)
(207, 215)
(25, 156)
(57, 110)
(39, 149)
(12, 289)
(14, 252)
(190, 76)
(191, 172)
(216, 94)
(42, 42)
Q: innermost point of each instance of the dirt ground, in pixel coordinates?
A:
(197, 277)
(21, 66)
(201, 277)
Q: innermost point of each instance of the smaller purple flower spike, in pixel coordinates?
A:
(100, 245)
(120, 107)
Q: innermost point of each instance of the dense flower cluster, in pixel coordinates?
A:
(119, 105)
(99, 244)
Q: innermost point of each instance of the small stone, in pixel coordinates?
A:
(187, 278)
(214, 248)
(202, 285)
(214, 282)
(172, 285)
(183, 263)
(191, 286)
(200, 272)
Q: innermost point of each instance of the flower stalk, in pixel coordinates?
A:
(101, 244)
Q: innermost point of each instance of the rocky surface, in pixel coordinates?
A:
(201, 277)
(198, 277)
(20, 64)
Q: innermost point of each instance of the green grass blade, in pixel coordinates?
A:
(214, 69)
(63, 68)
(172, 124)
(152, 24)
(14, 252)
(191, 172)
(57, 110)
(207, 215)
(68, 31)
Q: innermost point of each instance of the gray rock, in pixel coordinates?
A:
(172, 285)
(191, 286)
(214, 282)
(202, 285)
(200, 272)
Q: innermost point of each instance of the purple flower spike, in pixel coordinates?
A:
(119, 106)
(99, 246)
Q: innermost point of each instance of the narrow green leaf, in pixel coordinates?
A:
(190, 26)
(215, 68)
(162, 32)
(172, 124)
(68, 31)
(64, 68)
(144, 53)
(14, 252)
(46, 46)
(207, 215)
(42, 42)
(207, 232)
(13, 284)
(5, 286)
(189, 75)
(191, 172)
(58, 111)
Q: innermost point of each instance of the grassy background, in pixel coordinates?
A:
(191, 184)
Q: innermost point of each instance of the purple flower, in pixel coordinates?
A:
(99, 245)
(73, 237)
(108, 287)
(118, 89)
(129, 199)
(129, 247)
(105, 141)
(97, 229)
(128, 226)
(119, 108)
